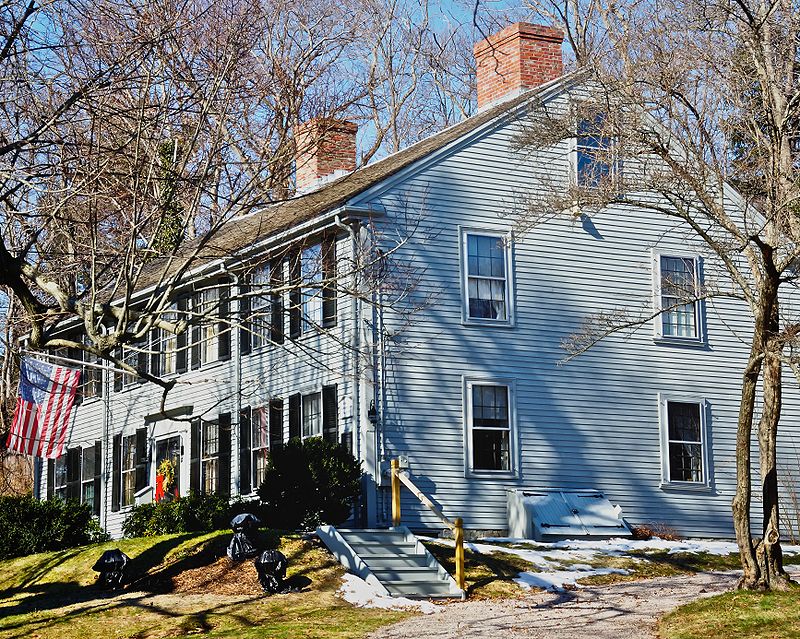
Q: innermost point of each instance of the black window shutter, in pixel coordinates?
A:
(155, 354)
(196, 332)
(51, 477)
(141, 458)
(181, 340)
(275, 423)
(98, 462)
(116, 460)
(330, 414)
(295, 297)
(294, 416)
(224, 324)
(194, 457)
(224, 475)
(245, 484)
(276, 301)
(117, 374)
(245, 336)
(329, 281)
(74, 473)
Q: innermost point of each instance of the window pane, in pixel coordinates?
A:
(490, 406)
(210, 470)
(685, 462)
(486, 283)
(87, 464)
(490, 450)
(260, 429)
(259, 467)
(87, 493)
(129, 452)
(210, 439)
(60, 476)
(684, 421)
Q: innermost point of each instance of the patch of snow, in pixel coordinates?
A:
(556, 580)
(358, 592)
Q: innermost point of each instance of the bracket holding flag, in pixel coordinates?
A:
(41, 417)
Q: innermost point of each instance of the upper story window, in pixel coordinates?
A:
(167, 347)
(683, 436)
(489, 427)
(486, 277)
(260, 306)
(677, 284)
(312, 278)
(205, 307)
(594, 158)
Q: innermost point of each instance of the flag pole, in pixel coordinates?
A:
(105, 367)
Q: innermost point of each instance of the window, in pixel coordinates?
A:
(312, 415)
(594, 165)
(210, 456)
(167, 347)
(205, 330)
(60, 477)
(683, 426)
(488, 418)
(87, 475)
(677, 291)
(486, 278)
(259, 445)
(128, 470)
(311, 274)
(260, 306)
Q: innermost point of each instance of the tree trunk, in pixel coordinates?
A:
(762, 561)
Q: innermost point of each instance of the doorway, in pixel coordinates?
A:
(168, 487)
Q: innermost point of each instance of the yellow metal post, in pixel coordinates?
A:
(458, 533)
(395, 492)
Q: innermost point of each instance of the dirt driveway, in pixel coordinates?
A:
(620, 611)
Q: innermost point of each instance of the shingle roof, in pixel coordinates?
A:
(240, 233)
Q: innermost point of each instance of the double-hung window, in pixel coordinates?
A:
(167, 349)
(489, 424)
(311, 274)
(259, 444)
(206, 312)
(312, 415)
(677, 284)
(128, 470)
(486, 292)
(210, 456)
(88, 472)
(683, 441)
(261, 305)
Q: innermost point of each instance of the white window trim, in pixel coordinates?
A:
(467, 384)
(666, 482)
(699, 308)
(508, 243)
(316, 391)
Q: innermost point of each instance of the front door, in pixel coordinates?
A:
(168, 477)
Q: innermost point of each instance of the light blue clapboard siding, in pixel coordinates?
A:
(592, 422)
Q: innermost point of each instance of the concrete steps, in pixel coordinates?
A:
(392, 560)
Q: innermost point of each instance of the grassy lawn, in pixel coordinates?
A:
(183, 586)
(736, 615)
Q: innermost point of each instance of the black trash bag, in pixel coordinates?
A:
(111, 567)
(271, 569)
(244, 543)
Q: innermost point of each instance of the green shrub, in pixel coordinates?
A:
(28, 525)
(309, 482)
(195, 513)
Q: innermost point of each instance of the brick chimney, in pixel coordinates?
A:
(325, 150)
(520, 57)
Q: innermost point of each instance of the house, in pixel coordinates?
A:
(467, 389)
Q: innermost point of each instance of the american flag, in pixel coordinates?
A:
(44, 404)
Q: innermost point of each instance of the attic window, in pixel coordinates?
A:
(594, 161)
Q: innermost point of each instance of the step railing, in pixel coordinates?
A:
(402, 477)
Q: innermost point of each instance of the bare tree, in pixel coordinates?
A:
(683, 101)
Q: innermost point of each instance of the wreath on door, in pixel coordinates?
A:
(165, 478)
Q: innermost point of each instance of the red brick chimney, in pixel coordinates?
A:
(520, 57)
(324, 148)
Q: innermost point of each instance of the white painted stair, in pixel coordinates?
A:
(393, 561)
